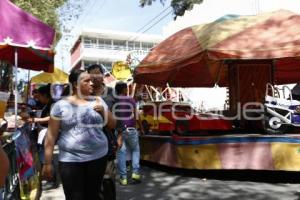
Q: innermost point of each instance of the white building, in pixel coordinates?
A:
(98, 46)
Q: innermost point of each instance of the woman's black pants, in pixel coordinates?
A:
(82, 180)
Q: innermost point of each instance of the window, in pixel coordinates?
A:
(146, 46)
(137, 45)
(130, 45)
(104, 43)
(119, 44)
(90, 42)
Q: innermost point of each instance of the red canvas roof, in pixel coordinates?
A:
(32, 37)
(196, 56)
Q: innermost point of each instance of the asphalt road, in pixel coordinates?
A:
(161, 183)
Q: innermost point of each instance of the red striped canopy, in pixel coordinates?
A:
(196, 56)
(32, 38)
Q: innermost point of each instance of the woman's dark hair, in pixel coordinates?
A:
(45, 90)
(74, 75)
(34, 91)
(120, 86)
(95, 66)
(67, 90)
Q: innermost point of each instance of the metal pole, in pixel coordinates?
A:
(16, 86)
(28, 86)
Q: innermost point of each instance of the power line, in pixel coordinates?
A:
(82, 18)
(64, 43)
(153, 19)
(134, 38)
(160, 19)
(87, 13)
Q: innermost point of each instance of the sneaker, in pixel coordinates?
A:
(123, 181)
(136, 177)
(49, 185)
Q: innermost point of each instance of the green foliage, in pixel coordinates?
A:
(149, 2)
(45, 10)
(179, 6)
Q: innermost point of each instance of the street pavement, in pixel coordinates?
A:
(170, 184)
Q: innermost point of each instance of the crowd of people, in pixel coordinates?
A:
(94, 127)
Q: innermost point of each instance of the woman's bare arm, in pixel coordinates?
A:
(51, 136)
(111, 121)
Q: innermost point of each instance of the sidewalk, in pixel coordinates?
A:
(53, 194)
(57, 193)
(161, 185)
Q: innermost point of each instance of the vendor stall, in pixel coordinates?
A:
(30, 50)
(245, 54)
(23, 181)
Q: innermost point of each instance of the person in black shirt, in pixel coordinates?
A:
(33, 101)
(44, 97)
(108, 190)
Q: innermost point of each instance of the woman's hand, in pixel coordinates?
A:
(99, 107)
(30, 120)
(47, 172)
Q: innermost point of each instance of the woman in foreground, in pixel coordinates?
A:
(76, 122)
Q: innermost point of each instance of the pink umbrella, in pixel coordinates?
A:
(31, 38)
(24, 40)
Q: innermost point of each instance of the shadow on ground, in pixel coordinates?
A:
(165, 183)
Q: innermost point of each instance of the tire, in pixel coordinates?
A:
(272, 125)
(146, 127)
(182, 127)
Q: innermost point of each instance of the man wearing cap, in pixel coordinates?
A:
(108, 191)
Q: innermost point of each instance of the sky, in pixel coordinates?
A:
(120, 15)
(125, 15)
(207, 11)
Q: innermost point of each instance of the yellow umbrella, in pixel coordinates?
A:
(121, 70)
(58, 76)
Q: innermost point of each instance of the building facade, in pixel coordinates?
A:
(96, 46)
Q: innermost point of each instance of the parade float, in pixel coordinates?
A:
(250, 55)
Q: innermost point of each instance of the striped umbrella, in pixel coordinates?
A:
(197, 56)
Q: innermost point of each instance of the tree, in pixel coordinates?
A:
(59, 14)
(179, 6)
(45, 10)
